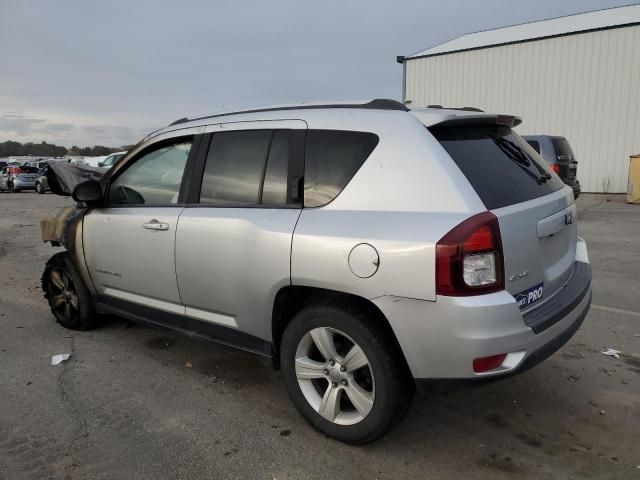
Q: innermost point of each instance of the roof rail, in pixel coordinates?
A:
(376, 104)
(466, 109)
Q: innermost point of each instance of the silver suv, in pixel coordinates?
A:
(360, 247)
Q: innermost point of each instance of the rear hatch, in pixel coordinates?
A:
(535, 211)
(565, 159)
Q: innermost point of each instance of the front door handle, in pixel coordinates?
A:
(155, 225)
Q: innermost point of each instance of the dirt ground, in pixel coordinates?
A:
(127, 406)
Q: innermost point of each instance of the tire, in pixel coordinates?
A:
(383, 386)
(68, 297)
(39, 188)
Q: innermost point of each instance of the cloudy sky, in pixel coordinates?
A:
(107, 72)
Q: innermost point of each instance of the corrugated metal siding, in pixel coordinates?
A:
(585, 87)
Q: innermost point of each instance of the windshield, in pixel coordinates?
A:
(500, 165)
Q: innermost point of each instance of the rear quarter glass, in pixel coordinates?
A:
(499, 164)
(332, 157)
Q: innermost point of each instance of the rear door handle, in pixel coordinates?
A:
(155, 225)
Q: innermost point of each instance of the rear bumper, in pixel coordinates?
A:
(441, 339)
(552, 346)
(22, 184)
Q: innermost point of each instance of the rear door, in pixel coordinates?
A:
(536, 212)
(233, 244)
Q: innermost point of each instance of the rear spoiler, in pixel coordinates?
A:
(431, 117)
(503, 120)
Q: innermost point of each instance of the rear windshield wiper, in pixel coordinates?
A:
(546, 175)
(520, 158)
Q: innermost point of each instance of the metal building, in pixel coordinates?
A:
(576, 76)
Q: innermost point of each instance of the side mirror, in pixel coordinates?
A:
(88, 192)
(101, 164)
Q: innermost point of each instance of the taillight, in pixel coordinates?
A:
(469, 258)
(556, 168)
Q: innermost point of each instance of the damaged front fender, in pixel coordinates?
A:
(63, 227)
(59, 227)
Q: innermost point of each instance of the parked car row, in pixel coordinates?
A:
(31, 175)
(15, 179)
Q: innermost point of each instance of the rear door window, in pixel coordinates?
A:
(332, 158)
(249, 167)
(500, 165)
(234, 167)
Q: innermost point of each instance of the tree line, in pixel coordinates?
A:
(44, 149)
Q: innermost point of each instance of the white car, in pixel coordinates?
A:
(112, 159)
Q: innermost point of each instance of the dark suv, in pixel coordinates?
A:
(558, 153)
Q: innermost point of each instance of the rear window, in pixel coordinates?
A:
(332, 157)
(563, 149)
(29, 170)
(500, 165)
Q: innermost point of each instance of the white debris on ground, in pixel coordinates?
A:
(59, 358)
(610, 352)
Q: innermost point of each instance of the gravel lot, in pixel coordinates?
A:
(127, 406)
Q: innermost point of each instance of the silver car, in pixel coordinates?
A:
(360, 247)
(15, 179)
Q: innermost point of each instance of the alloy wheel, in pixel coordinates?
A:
(63, 296)
(335, 376)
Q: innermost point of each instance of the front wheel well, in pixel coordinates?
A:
(291, 299)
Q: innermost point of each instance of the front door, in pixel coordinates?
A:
(130, 243)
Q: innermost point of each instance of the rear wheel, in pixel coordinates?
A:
(39, 187)
(343, 373)
(67, 295)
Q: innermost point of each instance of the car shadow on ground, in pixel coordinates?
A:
(511, 425)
